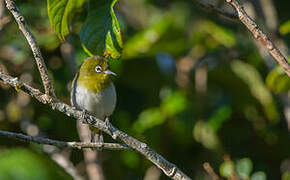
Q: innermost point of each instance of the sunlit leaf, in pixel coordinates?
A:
(244, 167)
(174, 104)
(148, 119)
(141, 42)
(253, 79)
(219, 116)
(227, 169)
(222, 35)
(278, 81)
(285, 28)
(101, 33)
(204, 134)
(60, 13)
(286, 176)
(259, 176)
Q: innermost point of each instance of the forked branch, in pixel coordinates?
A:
(217, 10)
(78, 145)
(48, 87)
(260, 36)
(168, 168)
(253, 28)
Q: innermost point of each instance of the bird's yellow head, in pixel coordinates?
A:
(94, 74)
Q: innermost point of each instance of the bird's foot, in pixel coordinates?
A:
(84, 118)
(107, 121)
(98, 138)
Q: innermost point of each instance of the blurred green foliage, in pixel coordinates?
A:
(285, 28)
(27, 165)
(242, 169)
(190, 84)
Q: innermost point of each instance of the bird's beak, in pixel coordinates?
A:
(110, 72)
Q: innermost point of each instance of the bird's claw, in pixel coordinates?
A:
(84, 119)
(107, 121)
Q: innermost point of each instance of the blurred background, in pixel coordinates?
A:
(195, 86)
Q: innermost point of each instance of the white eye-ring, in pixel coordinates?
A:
(98, 69)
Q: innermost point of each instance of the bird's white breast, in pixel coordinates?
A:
(100, 104)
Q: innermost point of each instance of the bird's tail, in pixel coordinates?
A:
(96, 135)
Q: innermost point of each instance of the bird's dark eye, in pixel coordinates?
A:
(98, 69)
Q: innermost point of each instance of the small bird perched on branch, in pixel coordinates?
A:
(93, 91)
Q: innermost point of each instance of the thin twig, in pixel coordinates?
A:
(48, 87)
(59, 155)
(253, 27)
(168, 168)
(4, 21)
(65, 163)
(217, 10)
(207, 167)
(260, 36)
(152, 173)
(77, 145)
(68, 54)
(2, 9)
(92, 159)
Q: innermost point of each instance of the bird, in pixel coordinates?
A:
(94, 92)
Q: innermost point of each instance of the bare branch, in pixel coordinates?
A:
(77, 145)
(49, 98)
(217, 10)
(62, 159)
(3, 21)
(260, 36)
(168, 168)
(152, 173)
(66, 165)
(93, 159)
(253, 27)
(49, 90)
(207, 167)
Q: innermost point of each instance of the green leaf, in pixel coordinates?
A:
(259, 176)
(147, 119)
(227, 169)
(101, 33)
(60, 13)
(130, 158)
(244, 167)
(22, 164)
(174, 104)
(285, 28)
(286, 176)
(204, 134)
(221, 34)
(278, 81)
(252, 77)
(221, 115)
(143, 41)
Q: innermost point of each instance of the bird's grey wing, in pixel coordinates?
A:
(73, 90)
